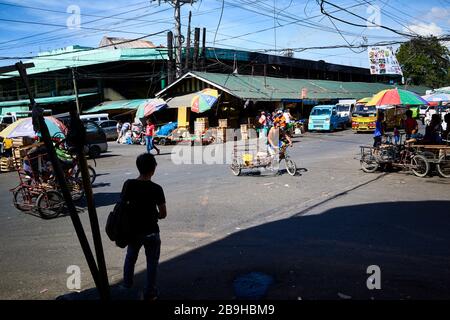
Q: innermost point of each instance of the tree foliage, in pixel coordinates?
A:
(425, 61)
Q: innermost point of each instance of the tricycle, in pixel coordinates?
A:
(244, 158)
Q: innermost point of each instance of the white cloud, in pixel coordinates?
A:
(424, 29)
(437, 13)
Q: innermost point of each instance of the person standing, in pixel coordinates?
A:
(147, 204)
(411, 126)
(149, 134)
(379, 130)
(119, 130)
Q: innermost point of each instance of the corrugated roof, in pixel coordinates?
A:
(48, 100)
(88, 56)
(115, 43)
(116, 105)
(261, 88)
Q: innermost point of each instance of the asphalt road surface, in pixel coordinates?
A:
(315, 234)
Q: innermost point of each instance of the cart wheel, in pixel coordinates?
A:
(92, 174)
(235, 168)
(443, 166)
(369, 164)
(50, 204)
(291, 167)
(23, 199)
(142, 142)
(162, 142)
(420, 166)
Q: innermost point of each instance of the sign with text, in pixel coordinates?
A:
(382, 60)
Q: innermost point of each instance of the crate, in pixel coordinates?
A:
(221, 135)
(22, 141)
(244, 135)
(223, 123)
(244, 128)
(6, 164)
(202, 120)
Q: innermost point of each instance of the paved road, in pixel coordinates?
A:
(314, 233)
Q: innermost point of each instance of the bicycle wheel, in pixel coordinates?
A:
(50, 204)
(92, 174)
(369, 164)
(420, 166)
(443, 166)
(23, 199)
(291, 168)
(235, 168)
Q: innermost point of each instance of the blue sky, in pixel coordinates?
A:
(247, 24)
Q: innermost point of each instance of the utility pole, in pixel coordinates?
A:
(188, 42)
(178, 37)
(75, 89)
(169, 57)
(87, 187)
(196, 48)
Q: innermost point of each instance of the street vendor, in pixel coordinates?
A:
(379, 130)
(433, 130)
(411, 126)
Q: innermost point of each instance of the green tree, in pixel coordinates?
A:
(425, 61)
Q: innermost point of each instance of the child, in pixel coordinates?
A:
(147, 205)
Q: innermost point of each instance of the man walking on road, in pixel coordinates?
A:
(149, 134)
(147, 204)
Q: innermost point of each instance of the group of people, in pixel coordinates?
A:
(274, 126)
(126, 130)
(267, 120)
(434, 133)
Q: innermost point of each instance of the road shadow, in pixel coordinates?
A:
(104, 199)
(323, 256)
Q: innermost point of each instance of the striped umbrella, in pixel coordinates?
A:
(204, 100)
(364, 100)
(437, 97)
(396, 97)
(149, 106)
(24, 128)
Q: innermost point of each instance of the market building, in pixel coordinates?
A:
(121, 69)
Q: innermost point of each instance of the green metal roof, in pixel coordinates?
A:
(48, 100)
(261, 88)
(81, 56)
(116, 105)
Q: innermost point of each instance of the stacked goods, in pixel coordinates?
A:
(223, 123)
(21, 141)
(200, 126)
(7, 164)
(221, 134)
(244, 131)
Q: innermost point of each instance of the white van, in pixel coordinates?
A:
(95, 117)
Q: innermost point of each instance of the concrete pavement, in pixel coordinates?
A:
(314, 233)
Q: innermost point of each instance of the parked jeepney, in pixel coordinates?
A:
(325, 117)
(364, 118)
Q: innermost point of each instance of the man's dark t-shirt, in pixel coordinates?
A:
(143, 197)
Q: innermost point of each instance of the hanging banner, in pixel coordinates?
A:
(382, 60)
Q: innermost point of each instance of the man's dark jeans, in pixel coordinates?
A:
(152, 246)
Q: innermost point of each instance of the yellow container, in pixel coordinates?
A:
(247, 158)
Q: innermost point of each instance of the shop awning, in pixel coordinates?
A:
(48, 100)
(181, 101)
(119, 105)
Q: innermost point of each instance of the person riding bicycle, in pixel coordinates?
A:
(276, 140)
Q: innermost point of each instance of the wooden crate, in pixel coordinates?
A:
(223, 123)
(6, 164)
(221, 134)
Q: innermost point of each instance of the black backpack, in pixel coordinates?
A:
(118, 224)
